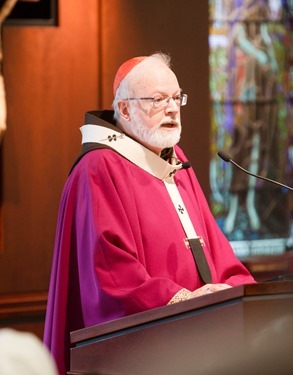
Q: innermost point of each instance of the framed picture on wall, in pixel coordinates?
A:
(33, 13)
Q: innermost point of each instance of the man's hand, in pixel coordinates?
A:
(208, 288)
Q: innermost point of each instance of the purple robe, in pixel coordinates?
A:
(120, 247)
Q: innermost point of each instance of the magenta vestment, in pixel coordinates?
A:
(120, 246)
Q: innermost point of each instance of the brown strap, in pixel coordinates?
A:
(200, 260)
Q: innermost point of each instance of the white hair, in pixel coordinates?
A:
(125, 89)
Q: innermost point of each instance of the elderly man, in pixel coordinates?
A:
(134, 229)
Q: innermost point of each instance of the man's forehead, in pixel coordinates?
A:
(160, 79)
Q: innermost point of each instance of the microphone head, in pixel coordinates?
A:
(186, 165)
(224, 156)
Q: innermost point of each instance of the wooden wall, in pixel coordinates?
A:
(53, 75)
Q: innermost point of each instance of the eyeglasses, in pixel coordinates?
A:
(160, 101)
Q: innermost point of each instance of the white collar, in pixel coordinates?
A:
(130, 149)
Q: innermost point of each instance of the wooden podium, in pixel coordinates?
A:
(243, 330)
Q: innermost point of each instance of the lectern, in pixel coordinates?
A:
(243, 330)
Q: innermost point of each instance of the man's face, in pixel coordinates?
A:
(155, 128)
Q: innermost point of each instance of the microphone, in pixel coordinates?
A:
(228, 159)
(186, 165)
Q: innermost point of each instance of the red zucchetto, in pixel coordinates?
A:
(124, 69)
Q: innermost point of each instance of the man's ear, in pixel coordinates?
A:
(124, 110)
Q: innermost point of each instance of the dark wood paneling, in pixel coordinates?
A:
(51, 76)
(24, 312)
(268, 267)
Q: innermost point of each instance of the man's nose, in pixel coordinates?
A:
(172, 106)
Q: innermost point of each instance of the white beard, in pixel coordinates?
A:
(158, 136)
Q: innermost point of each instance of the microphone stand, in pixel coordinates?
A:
(228, 159)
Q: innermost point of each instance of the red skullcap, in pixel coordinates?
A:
(124, 69)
